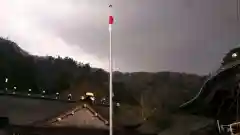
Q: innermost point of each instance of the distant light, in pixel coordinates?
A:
(92, 98)
(14, 88)
(6, 88)
(69, 96)
(28, 94)
(118, 104)
(72, 112)
(82, 97)
(29, 90)
(234, 55)
(57, 93)
(6, 80)
(43, 91)
(14, 92)
(89, 94)
(84, 105)
(59, 119)
(42, 96)
(95, 114)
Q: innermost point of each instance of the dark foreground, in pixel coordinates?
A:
(29, 130)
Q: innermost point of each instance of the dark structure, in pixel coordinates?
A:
(4, 122)
(41, 116)
(219, 96)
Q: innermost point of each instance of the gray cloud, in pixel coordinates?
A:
(35, 26)
(177, 35)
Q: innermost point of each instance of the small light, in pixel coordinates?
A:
(42, 96)
(82, 97)
(14, 92)
(89, 94)
(6, 89)
(69, 96)
(14, 88)
(84, 105)
(57, 93)
(43, 91)
(234, 55)
(72, 112)
(118, 104)
(95, 114)
(6, 80)
(28, 94)
(29, 90)
(59, 119)
(92, 98)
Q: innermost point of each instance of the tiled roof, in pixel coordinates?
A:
(36, 111)
(72, 112)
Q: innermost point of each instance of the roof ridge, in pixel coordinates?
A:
(44, 121)
(72, 111)
(98, 114)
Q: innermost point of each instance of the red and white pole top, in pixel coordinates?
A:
(111, 18)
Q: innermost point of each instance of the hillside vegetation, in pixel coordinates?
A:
(146, 96)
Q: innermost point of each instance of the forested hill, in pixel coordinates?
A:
(42, 73)
(59, 74)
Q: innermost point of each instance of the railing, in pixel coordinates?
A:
(29, 94)
(96, 102)
(35, 96)
(233, 129)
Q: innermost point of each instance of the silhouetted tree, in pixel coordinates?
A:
(231, 56)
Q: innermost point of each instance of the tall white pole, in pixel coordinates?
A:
(238, 10)
(110, 80)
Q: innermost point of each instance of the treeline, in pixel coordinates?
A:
(26, 71)
(162, 89)
(52, 75)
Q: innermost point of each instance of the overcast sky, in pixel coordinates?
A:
(148, 35)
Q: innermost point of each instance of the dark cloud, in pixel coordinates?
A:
(155, 35)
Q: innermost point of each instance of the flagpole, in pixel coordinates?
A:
(110, 78)
(238, 10)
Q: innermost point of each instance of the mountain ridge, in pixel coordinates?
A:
(143, 95)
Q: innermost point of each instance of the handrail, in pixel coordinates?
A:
(213, 75)
(36, 96)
